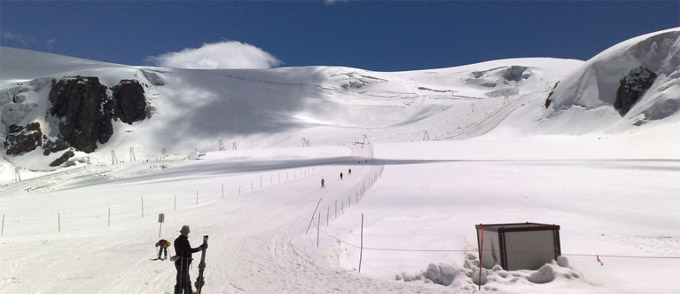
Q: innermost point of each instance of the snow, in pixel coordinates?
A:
(594, 85)
(441, 156)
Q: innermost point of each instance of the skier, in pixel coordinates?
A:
(322, 183)
(183, 259)
(350, 172)
(341, 175)
(163, 244)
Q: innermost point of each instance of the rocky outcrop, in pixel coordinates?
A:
(129, 101)
(547, 100)
(632, 87)
(516, 73)
(81, 103)
(63, 158)
(54, 146)
(85, 111)
(23, 139)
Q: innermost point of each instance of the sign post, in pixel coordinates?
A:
(161, 220)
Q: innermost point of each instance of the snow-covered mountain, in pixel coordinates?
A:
(630, 84)
(188, 110)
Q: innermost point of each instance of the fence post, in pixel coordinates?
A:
(361, 252)
(2, 232)
(142, 206)
(481, 249)
(196, 197)
(328, 212)
(174, 207)
(251, 185)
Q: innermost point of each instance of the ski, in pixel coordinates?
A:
(201, 267)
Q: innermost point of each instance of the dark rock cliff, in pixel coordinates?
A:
(80, 103)
(23, 139)
(63, 158)
(129, 100)
(632, 87)
(86, 110)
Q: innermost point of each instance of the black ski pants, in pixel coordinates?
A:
(183, 284)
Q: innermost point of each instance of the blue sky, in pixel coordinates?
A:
(377, 35)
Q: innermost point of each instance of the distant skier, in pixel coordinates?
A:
(350, 172)
(341, 175)
(163, 244)
(183, 259)
(323, 183)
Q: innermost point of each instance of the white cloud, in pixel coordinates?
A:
(221, 55)
(8, 35)
(331, 2)
(50, 43)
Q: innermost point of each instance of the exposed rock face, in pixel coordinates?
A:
(632, 87)
(52, 147)
(516, 73)
(130, 103)
(81, 103)
(86, 111)
(23, 139)
(63, 158)
(547, 100)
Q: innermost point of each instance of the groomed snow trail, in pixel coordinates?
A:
(254, 248)
(257, 241)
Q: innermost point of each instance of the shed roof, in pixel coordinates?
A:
(527, 226)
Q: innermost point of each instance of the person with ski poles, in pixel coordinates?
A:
(183, 259)
(163, 244)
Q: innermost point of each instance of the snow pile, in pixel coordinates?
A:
(599, 84)
(468, 276)
(442, 274)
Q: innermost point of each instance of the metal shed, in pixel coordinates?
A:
(519, 245)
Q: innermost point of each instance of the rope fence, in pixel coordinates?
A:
(122, 212)
(597, 256)
(373, 178)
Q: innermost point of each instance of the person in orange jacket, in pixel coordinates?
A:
(163, 244)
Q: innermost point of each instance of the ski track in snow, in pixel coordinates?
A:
(253, 252)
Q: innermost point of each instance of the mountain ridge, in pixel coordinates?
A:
(193, 110)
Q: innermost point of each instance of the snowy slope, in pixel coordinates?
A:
(195, 109)
(585, 101)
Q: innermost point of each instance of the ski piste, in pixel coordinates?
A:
(201, 268)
